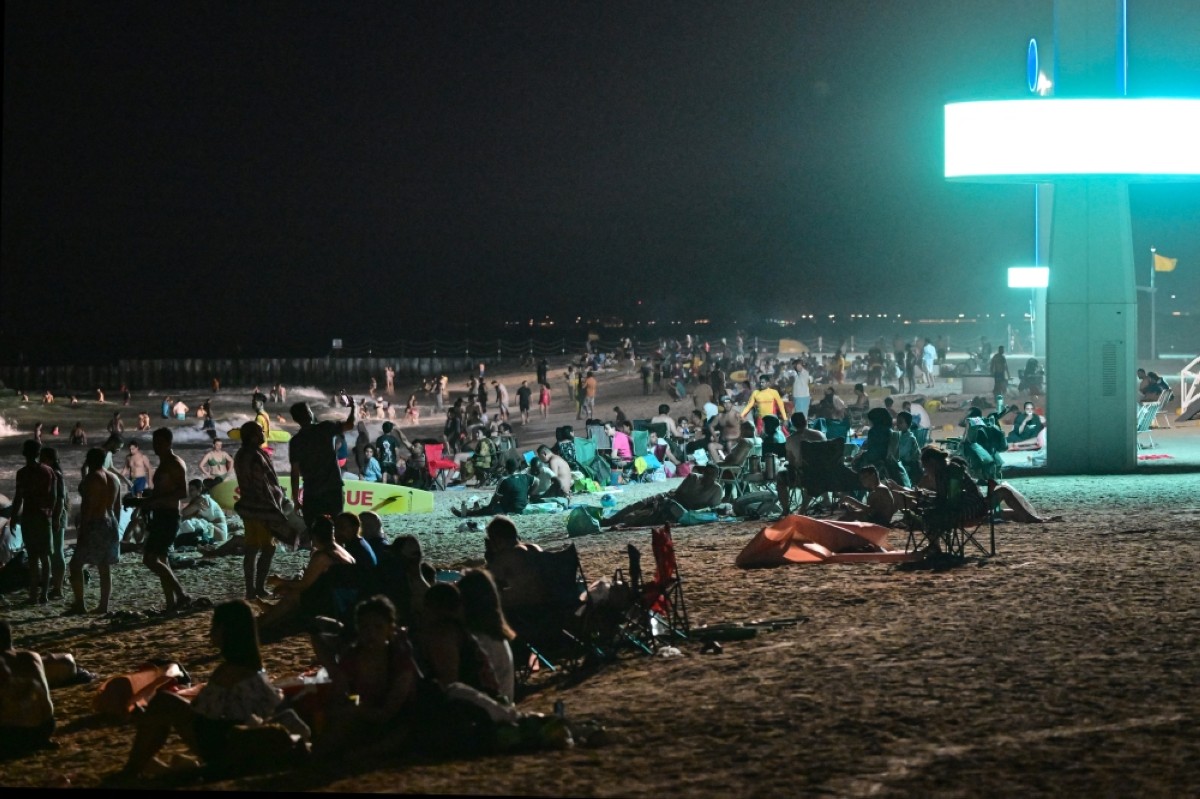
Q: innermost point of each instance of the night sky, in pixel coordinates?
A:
(192, 178)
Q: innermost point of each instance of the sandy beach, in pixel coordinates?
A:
(1064, 665)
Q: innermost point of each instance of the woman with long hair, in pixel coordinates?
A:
(485, 620)
(238, 693)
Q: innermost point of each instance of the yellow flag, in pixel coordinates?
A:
(1164, 264)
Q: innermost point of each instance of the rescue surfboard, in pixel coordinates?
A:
(360, 496)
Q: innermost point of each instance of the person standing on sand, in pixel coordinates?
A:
(389, 377)
(523, 395)
(260, 493)
(501, 399)
(259, 402)
(162, 524)
(32, 508)
(137, 469)
(313, 460)
(99, 541)
(589, 395)
(58, 523)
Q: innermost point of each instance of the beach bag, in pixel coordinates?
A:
(757, 505)
(583, 520)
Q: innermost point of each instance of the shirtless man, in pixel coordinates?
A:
(560, 470)
(881, 504)
(26, 710)
(33, 509)
(137, 469)
(99, 542)
(511, 562)
(698, 491)
(729, 424)
(162, 502)
(664, 417)
(216, 464)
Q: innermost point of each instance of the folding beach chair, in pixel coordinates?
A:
(658, 610)
(555, 634)
(823, 470)
(1147, 413)
(951, 522)
(1163, 400)
(438, 466)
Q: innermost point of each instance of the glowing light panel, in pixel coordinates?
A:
(1043, 138)
(1028, 277)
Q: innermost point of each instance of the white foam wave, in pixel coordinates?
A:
(7, 429)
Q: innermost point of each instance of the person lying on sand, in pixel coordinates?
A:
(698, 491)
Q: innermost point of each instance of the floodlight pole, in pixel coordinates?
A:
(1153, 341)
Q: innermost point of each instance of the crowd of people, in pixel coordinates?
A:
(386, 629)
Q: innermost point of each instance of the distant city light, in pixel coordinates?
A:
(1053, 137)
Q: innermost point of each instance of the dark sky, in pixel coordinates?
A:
(214, 174)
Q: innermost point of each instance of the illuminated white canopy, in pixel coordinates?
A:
(1044, 138)
(1028, 277)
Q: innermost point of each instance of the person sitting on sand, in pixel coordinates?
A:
(347, 531)
(563, 480)
(98, 541)
(446, 650)
(371, 526)
(26, 710)
(201, 517)
(378, 668)
(511, 497)
(511, 562)
(237, 695)
(1026, 425)
(484, 619)
(880, 506)
(310, 594)
(407, 576)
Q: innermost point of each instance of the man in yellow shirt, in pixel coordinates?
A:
(765, 401)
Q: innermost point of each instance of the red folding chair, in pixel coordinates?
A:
(658, 610)
(439, 467)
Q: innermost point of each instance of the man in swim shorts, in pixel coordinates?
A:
(33, 506)
(162, 504)
(99, 542)
(137, 469)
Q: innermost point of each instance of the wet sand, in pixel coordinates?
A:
(1064, 665)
